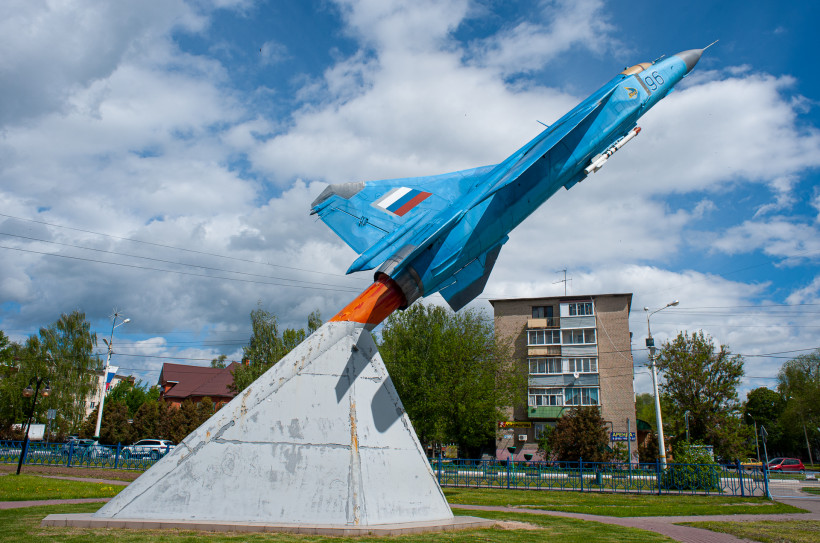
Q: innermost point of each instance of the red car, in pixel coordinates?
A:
(786, 464)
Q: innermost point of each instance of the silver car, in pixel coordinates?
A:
(148, 448)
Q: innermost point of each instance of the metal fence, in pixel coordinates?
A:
(727, 480)
(72, 454)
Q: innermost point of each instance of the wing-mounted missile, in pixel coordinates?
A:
(599, 160)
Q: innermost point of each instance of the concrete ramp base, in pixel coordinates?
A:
(87, 520)
(321, 438)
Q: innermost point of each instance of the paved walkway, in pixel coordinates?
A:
(668, 526)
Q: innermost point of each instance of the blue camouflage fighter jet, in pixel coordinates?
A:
(443, 233)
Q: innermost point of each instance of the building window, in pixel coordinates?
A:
(543, 337)
(582, 365)
(583, 335)
(581, 396)
(542, 312)
(93, 405)
(539, 397)
(580, 309)
(543, 366)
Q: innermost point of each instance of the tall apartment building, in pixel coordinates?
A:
(577, 350)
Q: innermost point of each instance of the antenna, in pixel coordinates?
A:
(564, 280)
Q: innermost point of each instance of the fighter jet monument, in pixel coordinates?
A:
(322, 439)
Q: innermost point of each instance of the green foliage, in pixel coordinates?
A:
(648, 450)
(645, 409)
(133, 395)
(693, 469)
(267, 346)
(703, 379)
(61, 353)
(581, 433)
(219, 361)
(452, 375)
(799, 385)
(544, 447)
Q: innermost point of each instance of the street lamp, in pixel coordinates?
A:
(28, 392)
(109, 344)
(650, 344)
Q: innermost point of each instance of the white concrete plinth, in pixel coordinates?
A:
(320, 439)
(88, 520)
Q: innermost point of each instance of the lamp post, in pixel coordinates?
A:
(686, 418)
(108, 343)
(650, 344)
(757, 445)
(28, 392)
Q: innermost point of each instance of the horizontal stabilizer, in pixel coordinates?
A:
(365, 213)
(471, 279)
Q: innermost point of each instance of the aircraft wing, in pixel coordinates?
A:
(364, 214)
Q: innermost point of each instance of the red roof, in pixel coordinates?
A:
(187, 381)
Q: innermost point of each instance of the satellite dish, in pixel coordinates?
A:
(576, 375)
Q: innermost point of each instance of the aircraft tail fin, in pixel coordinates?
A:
(374, 215)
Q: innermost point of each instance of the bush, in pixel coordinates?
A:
(694, 469)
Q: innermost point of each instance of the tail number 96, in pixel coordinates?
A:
(653, 80)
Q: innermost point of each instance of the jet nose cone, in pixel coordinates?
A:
(690, 57)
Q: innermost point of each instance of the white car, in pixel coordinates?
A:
(148, 448)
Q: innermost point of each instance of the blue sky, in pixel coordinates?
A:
(160, 158)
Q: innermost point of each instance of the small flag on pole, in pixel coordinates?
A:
(112, 371)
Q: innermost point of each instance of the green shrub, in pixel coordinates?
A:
(694, 469)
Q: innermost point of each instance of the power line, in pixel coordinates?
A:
(156, 259)
(166, 246)
(178, 272)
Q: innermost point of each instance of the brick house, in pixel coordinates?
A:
(180, 382)
(577, 350)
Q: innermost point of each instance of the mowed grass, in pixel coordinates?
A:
(617, 504)
(23, 526)
(767, 531)
(33, 487)
(811, 489)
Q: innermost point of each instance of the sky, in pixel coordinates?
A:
(159, 158)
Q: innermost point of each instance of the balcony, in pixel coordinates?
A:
(548, 322)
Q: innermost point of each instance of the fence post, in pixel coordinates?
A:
(581, 472)
(766, 480)
(508, 473)
(70, 452)
(658, 474)
(117, 456)
(439, 468)
(740, 476)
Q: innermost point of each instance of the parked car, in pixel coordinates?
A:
(85, 447)
(148, 448)
(786, 464)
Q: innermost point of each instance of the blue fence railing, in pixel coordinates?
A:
(77, 454)
(652, 478)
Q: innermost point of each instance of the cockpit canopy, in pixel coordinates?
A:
(636, 69)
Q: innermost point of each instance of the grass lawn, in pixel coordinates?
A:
(618, 505)
(767, 531)
(23, 526)
(32, 487)
(811, 489)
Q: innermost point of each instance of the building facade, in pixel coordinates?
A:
(93, 399)
(577, 352)
(180, 382)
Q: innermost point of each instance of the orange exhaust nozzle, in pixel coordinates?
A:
(373, 305)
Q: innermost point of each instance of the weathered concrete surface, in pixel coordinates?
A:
(321, 438)
(85, 520)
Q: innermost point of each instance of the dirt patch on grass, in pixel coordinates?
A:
(89, 473)
(515, 525)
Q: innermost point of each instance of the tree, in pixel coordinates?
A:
(581, 433)
(62, 354)
(133, 395)
(266, 347)
(451, 373)
(764, 408)
(703, 379)
(799, 385)
(544, 447)
(219, 361)
(148, 420)
(645, 409)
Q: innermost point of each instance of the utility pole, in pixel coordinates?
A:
(650, 344)
(103, 390)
